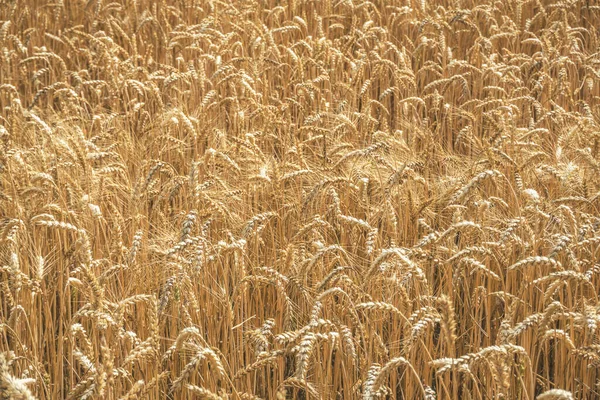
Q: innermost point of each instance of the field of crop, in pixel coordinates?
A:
(300, 199)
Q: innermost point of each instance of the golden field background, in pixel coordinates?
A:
(300, 199)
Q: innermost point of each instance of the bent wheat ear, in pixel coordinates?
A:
(555, 394)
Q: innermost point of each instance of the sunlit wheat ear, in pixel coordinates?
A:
(555, 394)
(305, 349)
(537, 261)
(202, 354)
(202, 393)
(302, 384)
(135, 391)
(264, 359)
(391, 365)
(12, 387)
(369, 384)
(249, 396)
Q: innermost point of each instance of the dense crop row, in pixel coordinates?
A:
(299, 199)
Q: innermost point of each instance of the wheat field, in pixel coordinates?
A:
(301, 199)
